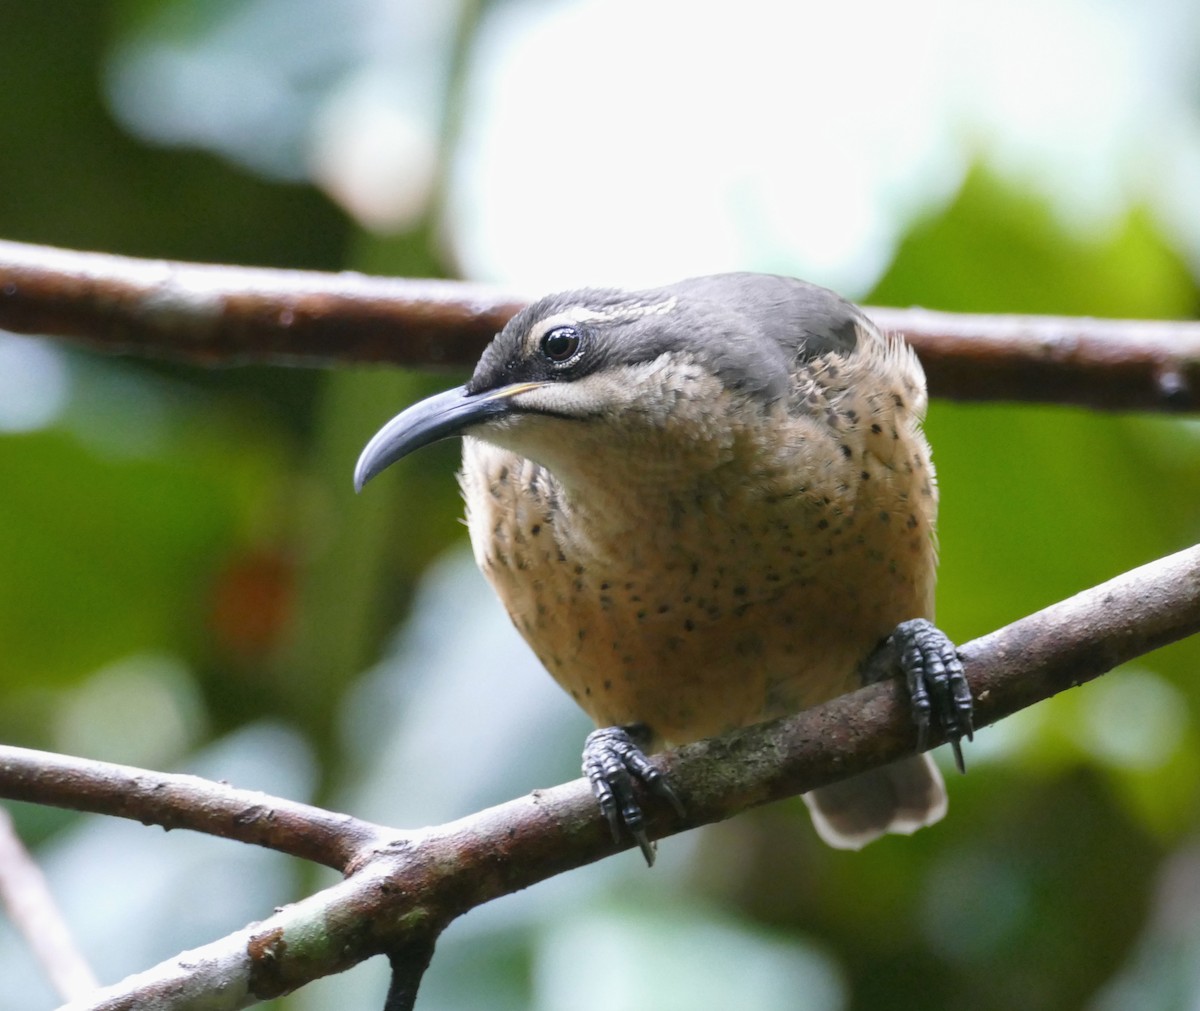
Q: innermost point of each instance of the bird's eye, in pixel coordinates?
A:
(561, 344)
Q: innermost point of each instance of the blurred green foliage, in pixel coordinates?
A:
(202, 524)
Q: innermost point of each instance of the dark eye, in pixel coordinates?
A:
(561, 344)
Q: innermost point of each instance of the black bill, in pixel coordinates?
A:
(435, 418)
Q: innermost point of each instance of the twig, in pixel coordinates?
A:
(181, 801)
(405, 893)
(218, 315)
(31, 907)
(408, 967)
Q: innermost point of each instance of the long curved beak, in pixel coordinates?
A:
(430, 420)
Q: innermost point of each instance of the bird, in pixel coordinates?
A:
(706, 505)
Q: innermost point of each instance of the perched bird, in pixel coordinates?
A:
(706, 505)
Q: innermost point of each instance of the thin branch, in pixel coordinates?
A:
(180, 801)
(218, 315)
(31, 907)
(404, 894)
(408, 968)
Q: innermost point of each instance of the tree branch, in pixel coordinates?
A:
(1108, 364)
(218, 315)
(31, 907)
(403, 893)
(181, 801)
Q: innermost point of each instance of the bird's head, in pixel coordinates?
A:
(600, 367)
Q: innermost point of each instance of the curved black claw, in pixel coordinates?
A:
(937, 687)
(611, 762)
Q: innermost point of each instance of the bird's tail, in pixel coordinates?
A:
(901, 797)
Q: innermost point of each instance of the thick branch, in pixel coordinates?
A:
(180, 801)
(219, 315)
(403, 895)
(1108, 364)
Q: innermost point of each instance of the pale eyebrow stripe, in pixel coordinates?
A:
(582, 314)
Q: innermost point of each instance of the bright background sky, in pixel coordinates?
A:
(637, 141)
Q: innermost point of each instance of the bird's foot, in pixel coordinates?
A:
(937, 687)
(611, 762)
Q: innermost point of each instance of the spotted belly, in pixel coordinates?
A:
(749, 625)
